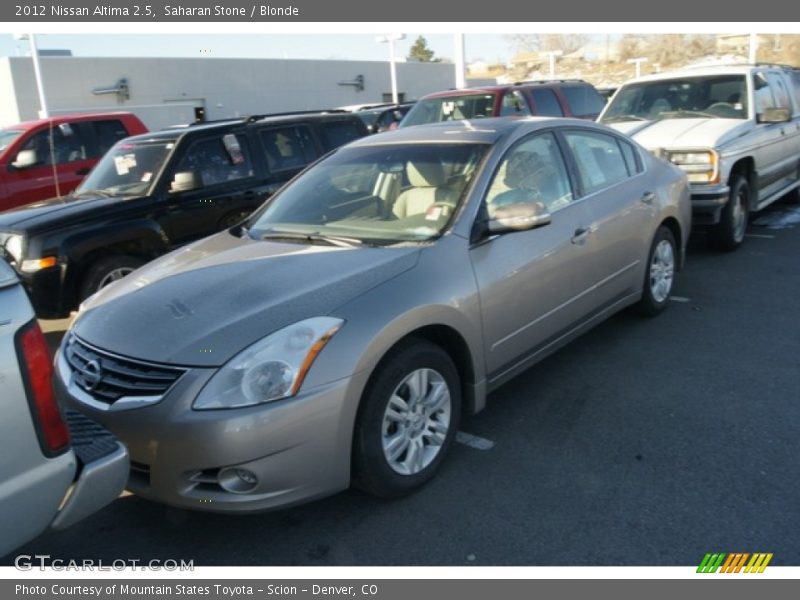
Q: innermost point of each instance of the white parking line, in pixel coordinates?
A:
(679, 299)
(760, 236)
(473, 441)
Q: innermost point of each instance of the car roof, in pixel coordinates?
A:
(481, 131)
(173, 133)
(58, 119)
(493, 89)
(700, 71)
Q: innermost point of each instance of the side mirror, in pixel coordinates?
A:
(520, 216)
(185, 181)
(773, 115)
(25, 159)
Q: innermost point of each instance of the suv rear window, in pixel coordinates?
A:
(583, 100)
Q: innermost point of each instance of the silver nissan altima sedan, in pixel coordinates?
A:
(338, 334)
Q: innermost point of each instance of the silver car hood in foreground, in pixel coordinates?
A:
(201, 305)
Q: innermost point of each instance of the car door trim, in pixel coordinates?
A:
(552, 311)
(554, 343)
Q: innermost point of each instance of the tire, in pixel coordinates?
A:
(728, 235)
(659, 274)
(399, 442)
(107, 270)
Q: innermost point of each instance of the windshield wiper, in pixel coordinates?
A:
(333, 240)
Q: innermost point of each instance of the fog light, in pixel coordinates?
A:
(237, 481)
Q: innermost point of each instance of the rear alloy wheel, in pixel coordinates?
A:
(660, 273)
(106, 271)
(407, 421)
(728, 235)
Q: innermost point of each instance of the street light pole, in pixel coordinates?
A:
(461, 80)
(37, 71)
(391, 39)
(552, 54)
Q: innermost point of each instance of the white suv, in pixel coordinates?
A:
(735, 130)
(53, 470)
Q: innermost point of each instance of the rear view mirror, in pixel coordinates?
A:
(185, 181)
(519, 216)
(25, 159)
(66, 129)
(773, 115)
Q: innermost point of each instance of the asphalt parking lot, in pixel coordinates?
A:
(646, 442)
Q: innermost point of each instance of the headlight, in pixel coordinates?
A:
(13, 247)
(270, 369)
(701, 166)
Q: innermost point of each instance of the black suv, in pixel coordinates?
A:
(151, 193)
(546, 98)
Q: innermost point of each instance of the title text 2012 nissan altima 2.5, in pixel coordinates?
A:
(341, 331)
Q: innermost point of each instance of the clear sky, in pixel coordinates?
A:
(488, 47)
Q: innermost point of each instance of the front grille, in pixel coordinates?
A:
(107, 377)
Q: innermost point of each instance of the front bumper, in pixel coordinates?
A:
(707, 203)
(297, 448)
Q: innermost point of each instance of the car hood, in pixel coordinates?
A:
(201, 305)
(62, 210)
(684, 133)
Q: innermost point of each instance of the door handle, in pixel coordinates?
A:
(580, 235)
(83, 171)
(648, 197)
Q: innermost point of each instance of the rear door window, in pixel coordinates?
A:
(218, 160)
(583, 100)
(547, 105)
(108, 133)
(288, 148)
(339, 133)
(599, 158)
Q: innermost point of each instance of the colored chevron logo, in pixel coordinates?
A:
(734, 562)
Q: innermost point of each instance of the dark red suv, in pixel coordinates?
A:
(549, 98)
(47, 158)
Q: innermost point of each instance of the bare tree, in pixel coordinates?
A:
(544, 42)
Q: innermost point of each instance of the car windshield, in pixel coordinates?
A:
(723, 97)
(128, 168)
(451, 108)
(7, 137)
(381, 194)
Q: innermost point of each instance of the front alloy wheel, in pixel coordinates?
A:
(729, 234)
(416, 421)
(407, 419)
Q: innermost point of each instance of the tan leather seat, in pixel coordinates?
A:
(426, 177)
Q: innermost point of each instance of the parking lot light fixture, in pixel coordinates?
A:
(638, 62)
(391, 39)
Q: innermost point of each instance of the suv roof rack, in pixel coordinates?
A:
(325, 111)
(525, 81)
